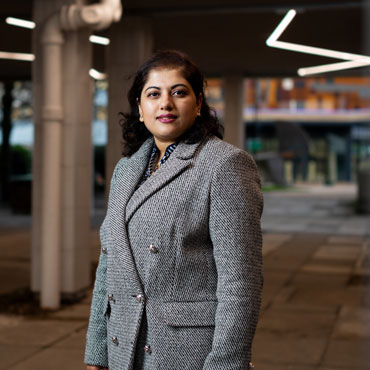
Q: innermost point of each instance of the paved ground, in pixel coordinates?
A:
(316, 304)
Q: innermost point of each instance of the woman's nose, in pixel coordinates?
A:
(166, 102)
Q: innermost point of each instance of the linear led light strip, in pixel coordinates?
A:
(31, 25)
(352, 60)
(31, 57)
(17, 56)
(20, 22)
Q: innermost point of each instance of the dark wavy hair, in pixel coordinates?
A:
(134, 132)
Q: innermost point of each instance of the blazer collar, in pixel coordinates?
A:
(178, 162)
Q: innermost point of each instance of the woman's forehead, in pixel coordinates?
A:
(166, 77)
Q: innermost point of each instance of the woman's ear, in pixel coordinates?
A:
(199, 103)
(141, 119)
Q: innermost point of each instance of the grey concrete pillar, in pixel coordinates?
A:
(131, 44)
(76, 158)
(76, 162)
(41, 11)
(233, 111)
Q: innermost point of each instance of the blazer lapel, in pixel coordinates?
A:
(127, 178)
(178, 162)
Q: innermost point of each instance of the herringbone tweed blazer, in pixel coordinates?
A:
(181, 264)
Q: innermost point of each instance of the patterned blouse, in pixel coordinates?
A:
(152, 167)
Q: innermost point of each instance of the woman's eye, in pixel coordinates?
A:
(179, 92)
(153, 94)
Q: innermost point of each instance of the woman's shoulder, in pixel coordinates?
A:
(121, 164)
(221, 150)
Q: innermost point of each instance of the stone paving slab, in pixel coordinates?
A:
(347, 240)
(75, 341)
(37, 332)
(336, 368)
(11, 355)
(268, 347)
(53, 359)
(274, 283)
(300, 324)
(337, 252)
(280, 238)
(309, 308)
(353, 322)
(334, 297)
(315, 209)
(353, 354)
(266, 366)
(79, 311)
(326, 269)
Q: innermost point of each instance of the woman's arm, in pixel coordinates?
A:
(235, 212)
(96, 352)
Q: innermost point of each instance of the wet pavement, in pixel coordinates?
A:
(316, 304)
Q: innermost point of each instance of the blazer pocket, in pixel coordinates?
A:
(190, 313)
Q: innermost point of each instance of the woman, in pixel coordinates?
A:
(179, 280)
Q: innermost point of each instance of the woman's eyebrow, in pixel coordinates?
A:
(177, 85)
(152, 87)
(172, 87)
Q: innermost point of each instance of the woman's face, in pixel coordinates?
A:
(168, 106)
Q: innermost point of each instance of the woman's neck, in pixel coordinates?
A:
(162, 146)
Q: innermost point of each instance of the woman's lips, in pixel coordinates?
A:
(166, 118)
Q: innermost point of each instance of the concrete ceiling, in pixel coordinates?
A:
(222, 35)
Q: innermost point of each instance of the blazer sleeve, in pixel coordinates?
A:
(96, 351)
(235, 211)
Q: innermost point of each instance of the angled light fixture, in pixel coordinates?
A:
(20, 22)
(333, 67)
(353, 60)
(17, 56)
